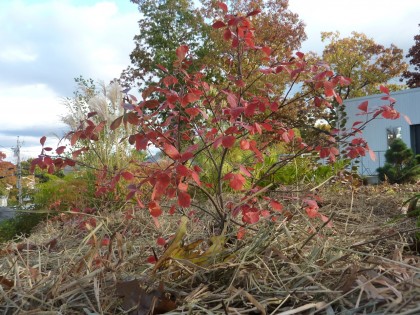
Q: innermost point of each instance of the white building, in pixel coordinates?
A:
(381, 130)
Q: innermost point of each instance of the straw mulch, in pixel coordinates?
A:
(364, 264)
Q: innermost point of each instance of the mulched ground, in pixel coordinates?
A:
(365, 263)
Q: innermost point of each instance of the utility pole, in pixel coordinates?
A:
(19, 171)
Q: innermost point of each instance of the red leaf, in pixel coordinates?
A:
(227, 35)
(162, 182)
(241, 233)
(244, 144)
(60, 149)
(228, 141)
(218, 24)
(255, 12)
(312, 212)
(184, 199)
(300, 55)
(155, 209)
(236, 181)
(132, 118)
(276, 205)
(384, 89)
(181, 52)
(42, 140)
(251, 217)
(151, 259)
(116, 123)
(390, 113)
(266, 50)
(127, 175)
(172, 210)
(161, 241)
(232, 100)
(363, 106)
(196, 178)
(222, 6)
(182, 170)
(182, 186)
(192, 112)
(171, 151)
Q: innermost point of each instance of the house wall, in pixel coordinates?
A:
(3, 201)
(407, 103)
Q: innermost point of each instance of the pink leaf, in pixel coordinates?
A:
(196, 178)
(42, 140)
(407, 119)
(372, 155)
(244, 171)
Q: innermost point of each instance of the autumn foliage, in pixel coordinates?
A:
(206, 122)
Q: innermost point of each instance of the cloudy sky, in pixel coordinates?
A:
(45, 44)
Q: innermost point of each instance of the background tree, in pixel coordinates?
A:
(401, 165)
(413, 77)
(167, 24)
(164, 25)
(7, 174)
(276, 29)
(367, 63)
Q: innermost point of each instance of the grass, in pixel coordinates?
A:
(363, 264)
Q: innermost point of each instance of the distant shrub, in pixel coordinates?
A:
(401, 166)
(22, 224)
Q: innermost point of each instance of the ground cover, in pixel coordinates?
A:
(364, 263)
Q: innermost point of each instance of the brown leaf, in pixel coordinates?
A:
(140, 302)
(6, 283)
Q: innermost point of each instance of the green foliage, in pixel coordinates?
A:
(164, 25)
(401, 165)
(22, 224)
(360, 58)
(62, 193)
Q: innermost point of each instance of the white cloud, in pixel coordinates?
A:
(384, 20)
(56, 41)
(45, 45)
